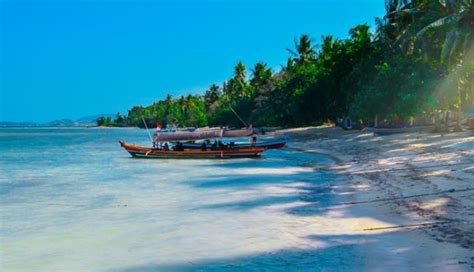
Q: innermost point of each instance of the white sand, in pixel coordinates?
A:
(394, 167)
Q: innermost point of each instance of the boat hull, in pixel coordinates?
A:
(150, 153)
(245, 132)
(391, 131)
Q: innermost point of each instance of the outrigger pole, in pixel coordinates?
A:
(245, 124)
(149, 134)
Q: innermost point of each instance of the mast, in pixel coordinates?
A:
(245, 124)
(149, 134)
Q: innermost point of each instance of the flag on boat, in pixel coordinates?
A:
(158, 127)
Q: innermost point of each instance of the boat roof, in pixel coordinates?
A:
(201, 134)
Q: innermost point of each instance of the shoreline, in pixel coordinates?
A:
(414, 179)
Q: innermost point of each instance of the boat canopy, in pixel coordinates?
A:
(201, 134)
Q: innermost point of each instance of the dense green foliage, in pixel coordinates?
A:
(420, 60)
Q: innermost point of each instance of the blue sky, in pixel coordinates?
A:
(69, 59)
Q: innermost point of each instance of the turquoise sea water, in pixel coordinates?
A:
(73, 200)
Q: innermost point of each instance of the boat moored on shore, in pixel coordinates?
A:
(275, 143)
(385, 131)
(153, 153)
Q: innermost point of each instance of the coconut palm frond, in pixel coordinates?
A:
(393, 5)
(438, 23)
(448, 4)
(403, 13)
(455, 4)
(404, 39)
(451, 43)
(390, 5)
(381, 33)
(292, 52)
(408, 22)
(380, 24)
(304, 49)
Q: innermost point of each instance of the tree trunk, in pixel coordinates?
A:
(437, 122)
(446, 121)
(458, 127)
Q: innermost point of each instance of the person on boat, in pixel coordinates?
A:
(203, 146)
(214, 146)
(221, 145)
(158, 127)
(179, 147)
(166, 147)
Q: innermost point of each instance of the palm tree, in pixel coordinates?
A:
(211, 96)
(290, 65)
(169, 99)
(408, 23)
(402, 21)
(240, 71)
(305, 52)
(237, 85)
(190, 106)
(260, 74)
(183, 106)
(458, 18)
(441, 30)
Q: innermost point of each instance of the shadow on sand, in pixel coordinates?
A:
(317, 192)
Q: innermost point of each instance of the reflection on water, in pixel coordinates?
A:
(72, 200)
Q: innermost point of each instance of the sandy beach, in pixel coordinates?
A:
(416, 190)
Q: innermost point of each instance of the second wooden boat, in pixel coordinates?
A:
(276, 143)
(395, 130)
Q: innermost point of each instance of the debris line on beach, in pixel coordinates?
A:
(419, 225)
(406, 197)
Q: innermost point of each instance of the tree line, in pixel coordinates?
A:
(418, 62)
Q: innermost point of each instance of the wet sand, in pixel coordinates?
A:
(413, 193)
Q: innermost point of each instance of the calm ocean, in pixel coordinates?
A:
(73, 200)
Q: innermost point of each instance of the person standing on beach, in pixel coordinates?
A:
(254, 140)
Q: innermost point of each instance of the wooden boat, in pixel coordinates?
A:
(396, 130)
(145, 152)
(267, 144)
(237, 133)
(201, 133)
(167, 136)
